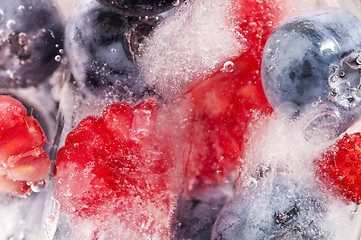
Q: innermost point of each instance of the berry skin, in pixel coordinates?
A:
(102, 47)
(21, 155)
(113, 166)
(310, 63)
(138, 8)
(340, 167)
(31, 39)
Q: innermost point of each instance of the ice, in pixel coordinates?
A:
(24, 218)
(187, 46)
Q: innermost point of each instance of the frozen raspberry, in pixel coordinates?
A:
(21, 155)
(340, 167)
(114, 171)
(224, 103)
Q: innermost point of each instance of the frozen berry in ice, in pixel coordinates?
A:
(311, 65)
(339, 167)
(114, 171)
(30, 39)
(197, 210)
(22, 158)
(102, 47)
(224, 103)
(140, 7)
(273, 205)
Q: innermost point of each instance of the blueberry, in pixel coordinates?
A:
(102, 47)
(197, 211)
(140, 7)
(275, 206)
(312, 63)
(30, 39)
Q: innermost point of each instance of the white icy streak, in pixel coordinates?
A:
(186, 46)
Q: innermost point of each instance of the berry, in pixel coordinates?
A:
(114, 166)
(22, 158)
(310, 65)
(339, 167)
(198, 210)
(273, 205)
(31, 37)
(102, 47)
(223, 103)
(140, 7)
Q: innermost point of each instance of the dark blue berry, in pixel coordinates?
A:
(140, 7)
(197, 211)
(275, 206)
(102, 47)
(31, 37)
(312, 63)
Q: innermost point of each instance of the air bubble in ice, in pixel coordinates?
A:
(21, 8)
(58, 58)
(10, 24)
(175, 3)
(316, 103)
(38, 186)
(22, 39)
(113, 50)
(251, 184)
(228, 66)
(42, 32)
(269, 52)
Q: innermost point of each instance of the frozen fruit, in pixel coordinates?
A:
(198, 210)
(311, 65)
(340, 167)
(31, 38)
(273, 205)
(113, 170)
(140, 7)
(223, 104)
(22, 158)
(102, 47)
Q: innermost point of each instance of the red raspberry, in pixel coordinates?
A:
(21, 155)
(224, 103)
(115, 165)
(340, 167)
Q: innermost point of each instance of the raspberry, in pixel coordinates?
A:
(114, 165)
(340, 167)
(21, 155)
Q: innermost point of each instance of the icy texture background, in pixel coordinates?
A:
(21, 217)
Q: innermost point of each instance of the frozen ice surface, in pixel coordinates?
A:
(277, 195)
(24, 218)
(187, 46)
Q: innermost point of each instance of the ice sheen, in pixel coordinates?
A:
(187, 46)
